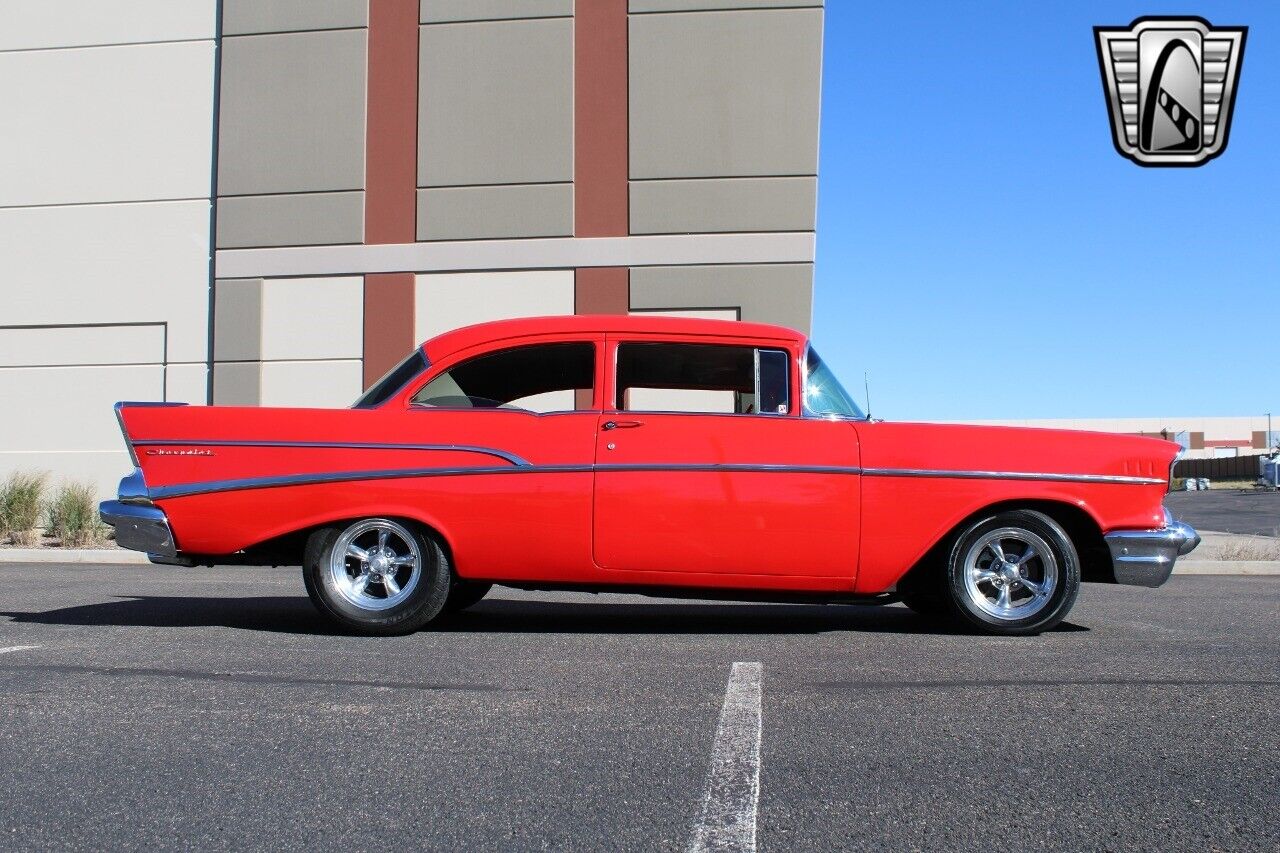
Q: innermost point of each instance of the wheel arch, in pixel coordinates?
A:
(1081, 528)
(287, 548)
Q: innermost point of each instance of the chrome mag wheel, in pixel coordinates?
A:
(1010, 573)
(375, 564)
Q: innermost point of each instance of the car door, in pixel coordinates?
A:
(522, 417)
(704, 465)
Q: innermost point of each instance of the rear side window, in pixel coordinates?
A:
(539, 378)
(707, 378)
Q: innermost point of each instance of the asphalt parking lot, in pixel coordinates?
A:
(177, 708)
(1228, 511)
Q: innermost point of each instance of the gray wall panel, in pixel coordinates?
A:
(698, 5)
(715, 94)
(495, 103)
(292, 113)
(463, 213)
(237, 319)
(766, 293)
(723, 204)
(240, 17)
(238, 384)
(439, 11)
(306, 219)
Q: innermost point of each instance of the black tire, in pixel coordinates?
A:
(423, 602)
(1054, 576)
(464, 594)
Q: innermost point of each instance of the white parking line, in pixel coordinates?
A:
(728, 819)
(8, 649)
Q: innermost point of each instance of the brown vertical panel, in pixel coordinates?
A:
(390, 177)
(600, 146)
(601, 290)
(1259, 439)
(391, 123)
(388, 322)
(600, 118)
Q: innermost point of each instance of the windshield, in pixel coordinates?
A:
(392, 381)
(823, 394)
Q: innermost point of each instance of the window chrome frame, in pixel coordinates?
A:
(791, 408)
(804, 396)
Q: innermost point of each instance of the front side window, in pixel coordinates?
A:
(823, 394)
(539, 378)
(707, 378)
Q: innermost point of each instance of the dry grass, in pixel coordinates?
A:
(1249, 548)
(21, 498)
(73, 516)
(1214, 485)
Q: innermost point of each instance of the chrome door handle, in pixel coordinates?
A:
(622, 424)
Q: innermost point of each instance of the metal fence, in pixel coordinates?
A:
(1221, 468)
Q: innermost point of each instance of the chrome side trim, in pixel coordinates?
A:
(1146, 557)
(335, 445)
(189, 489)
(139, 528)
(521, 466)
(732, 468)
(1011, 475)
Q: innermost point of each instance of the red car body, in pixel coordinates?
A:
(600, 497)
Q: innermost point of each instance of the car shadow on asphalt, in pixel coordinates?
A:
(295, 615)
(280, 614)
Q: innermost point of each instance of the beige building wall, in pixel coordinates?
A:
(451, 300)
(150, 128)
(104, 221)
(721, 104)
(288, 342)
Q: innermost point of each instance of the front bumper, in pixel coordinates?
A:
(140, 528)
(1146, 557)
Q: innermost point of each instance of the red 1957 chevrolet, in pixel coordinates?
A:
(645, 454)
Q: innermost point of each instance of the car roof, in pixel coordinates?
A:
(495, 331)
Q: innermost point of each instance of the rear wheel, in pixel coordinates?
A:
(377, 575)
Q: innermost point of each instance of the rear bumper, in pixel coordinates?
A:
(1146, 557)
(140, 528)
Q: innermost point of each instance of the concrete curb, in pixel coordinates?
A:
(1226, 567)
(104, 556)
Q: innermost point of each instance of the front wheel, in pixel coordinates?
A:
(464, 594)
(1015, 572)
(377, 575)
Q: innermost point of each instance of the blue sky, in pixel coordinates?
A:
(984, 252)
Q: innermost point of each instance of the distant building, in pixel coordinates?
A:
(271, 201)
(1201, 437)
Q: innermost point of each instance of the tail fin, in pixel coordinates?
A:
(123, 419)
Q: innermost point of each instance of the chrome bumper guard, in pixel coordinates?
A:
(1146, 557)
(139, 528)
